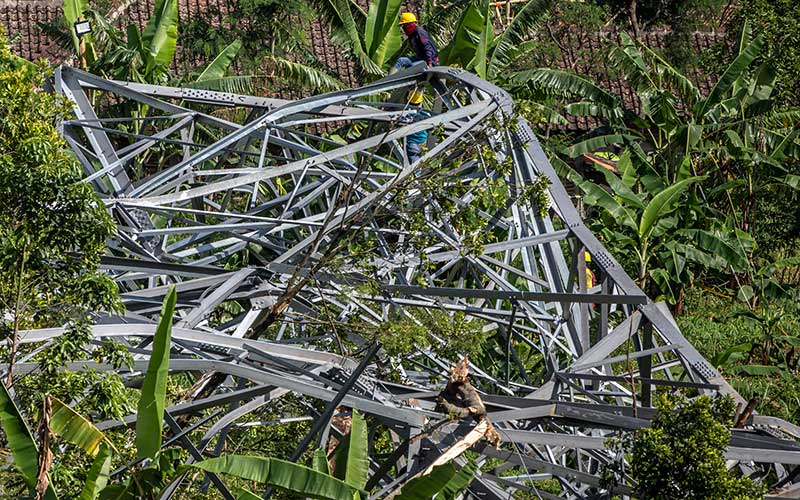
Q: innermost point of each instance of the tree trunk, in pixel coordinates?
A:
(634, 19)
(45, 455)
(680, 304)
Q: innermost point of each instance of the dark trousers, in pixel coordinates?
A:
(413, 151)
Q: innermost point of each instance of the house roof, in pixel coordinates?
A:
(22, 17)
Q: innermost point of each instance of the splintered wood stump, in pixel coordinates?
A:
(459, 399)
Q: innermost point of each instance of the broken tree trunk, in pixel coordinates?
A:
(460, 399)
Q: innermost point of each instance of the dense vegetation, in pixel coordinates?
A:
(723, 252)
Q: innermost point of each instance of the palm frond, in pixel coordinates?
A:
(332, 14)
(565, 84)
(784, 119)
(57, 32)
(523, 23)
(736, 69)
(629, 60)
(304, 75)
(673, 77)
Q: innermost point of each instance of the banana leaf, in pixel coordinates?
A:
(445, 479)
(461, 49)
(20, 442)
(73, 12)
(216, 69)
(352, 459)
(736, 69)
(319, 461)
(160, 36)
(662, 204)
(74, 428)
(382, 35)
(97, 478)
(280, 474)
(150, 412)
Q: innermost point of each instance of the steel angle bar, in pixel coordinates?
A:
(195, 453)
(216, 341)
(369, 200)
(643, 380)
(221, 293)
(617, 359)
(518, 296)
(293, 166)
(699, 367)
(402, 415)
(104, 150)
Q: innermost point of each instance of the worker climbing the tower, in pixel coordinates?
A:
(422, 44)
(415, 113)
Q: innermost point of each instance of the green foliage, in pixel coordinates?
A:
(450, 336)
(777, 22)
(98, 475)
(281, 474)
(20, 442)
(373, 39)
(320, 462)
(160, 36)
(677, 134)
(53, 230)
(152, 478)
(73, 12)
(150, 414)
(681, 454)
(475, 46)
(76, 429)
(140, 56)
(444, 481)
(727, 339)
(352, 455)
(52, 227)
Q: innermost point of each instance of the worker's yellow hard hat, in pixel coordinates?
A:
(407, 17)
(415, 97)
(588, 257)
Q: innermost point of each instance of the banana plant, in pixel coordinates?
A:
(736, 136)
(69, 426)
(21, 443)
(657, 227)
(76, 429)
(373, 36)
(150, 418)
(736, 123)
(143, 56)
(73, 12)
(350, 475)
(475, 47)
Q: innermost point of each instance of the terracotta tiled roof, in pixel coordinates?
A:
(585, 53)
(21, 22)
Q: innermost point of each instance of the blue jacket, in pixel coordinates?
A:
(423, 46)
(413, 117)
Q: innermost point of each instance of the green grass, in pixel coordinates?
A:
(708, 326)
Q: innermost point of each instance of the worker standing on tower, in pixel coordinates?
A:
(421, 43)
(415, 141)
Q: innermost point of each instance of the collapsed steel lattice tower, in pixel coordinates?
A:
(250, 195)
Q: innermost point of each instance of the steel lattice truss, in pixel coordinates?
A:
(249, 196)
